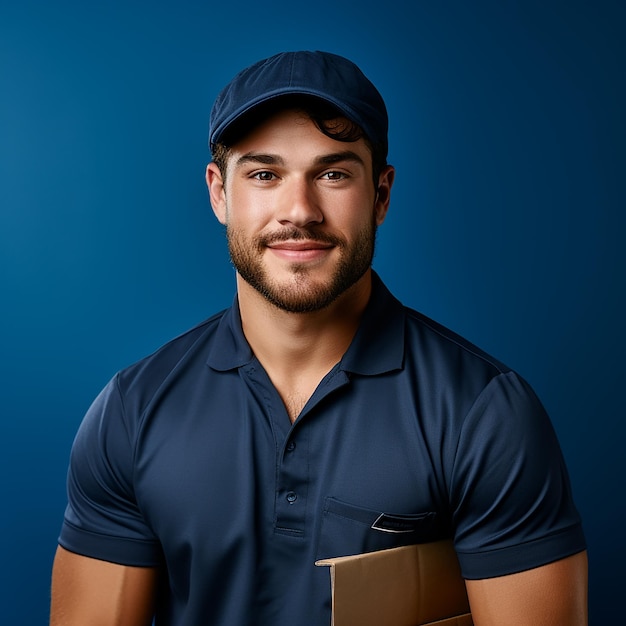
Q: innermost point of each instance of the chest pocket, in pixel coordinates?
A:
(349, 529)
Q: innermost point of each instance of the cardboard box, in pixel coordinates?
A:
(415, 585)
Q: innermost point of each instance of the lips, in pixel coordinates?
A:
(300, 246)
(301, 250)
(299, 239)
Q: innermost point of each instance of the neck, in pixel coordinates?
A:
(298, 349)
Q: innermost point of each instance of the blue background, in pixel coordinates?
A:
(507, 220)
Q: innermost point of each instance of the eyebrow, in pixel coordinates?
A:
(264, 159)
(337, 157)
(274, 159)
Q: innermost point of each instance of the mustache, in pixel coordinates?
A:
(299, 234)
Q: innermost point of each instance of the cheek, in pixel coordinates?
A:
(353, 212)
(247, 208)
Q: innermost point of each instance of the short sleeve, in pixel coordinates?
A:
(512, 503)
(102, 519)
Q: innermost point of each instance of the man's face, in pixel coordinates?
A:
(300, 211)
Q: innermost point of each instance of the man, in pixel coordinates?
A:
(316, 414)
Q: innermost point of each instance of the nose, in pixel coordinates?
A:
(299, 203)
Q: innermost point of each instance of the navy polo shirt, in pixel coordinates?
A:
(188, 461)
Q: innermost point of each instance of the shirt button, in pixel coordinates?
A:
(291, 446)
(291, 497)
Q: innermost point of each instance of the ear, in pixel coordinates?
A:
(217, 194)
(383, 193)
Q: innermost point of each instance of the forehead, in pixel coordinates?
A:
(293, 131)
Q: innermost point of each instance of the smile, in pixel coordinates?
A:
(300, 250)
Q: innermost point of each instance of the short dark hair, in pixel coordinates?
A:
(324, 115)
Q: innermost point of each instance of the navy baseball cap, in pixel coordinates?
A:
(332, 78)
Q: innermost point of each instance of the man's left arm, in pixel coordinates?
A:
(550, 595)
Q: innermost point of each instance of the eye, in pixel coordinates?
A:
(263, 175)
(334, 175)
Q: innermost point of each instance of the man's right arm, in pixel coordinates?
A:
(99, 593)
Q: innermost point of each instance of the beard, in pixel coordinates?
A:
(302, 293)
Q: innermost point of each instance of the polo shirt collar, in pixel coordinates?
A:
(230, 349)
(377, 347)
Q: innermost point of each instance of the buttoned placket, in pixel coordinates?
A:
(292, 443)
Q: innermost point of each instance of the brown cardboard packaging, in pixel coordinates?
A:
(415, 585)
